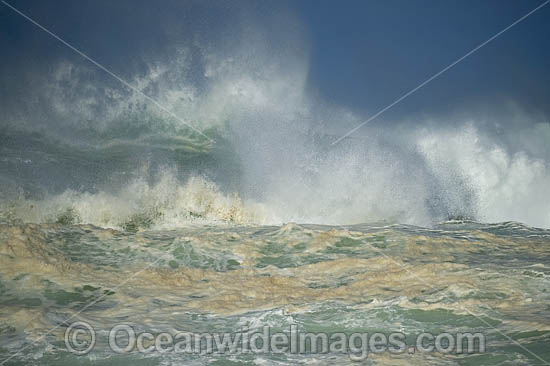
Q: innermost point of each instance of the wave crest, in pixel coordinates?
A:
(139, 206)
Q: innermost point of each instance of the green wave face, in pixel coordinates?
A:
(217, 194)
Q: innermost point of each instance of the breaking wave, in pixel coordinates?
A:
(139, 206)
(89, 152)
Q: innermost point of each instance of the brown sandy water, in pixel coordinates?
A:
(456, 277)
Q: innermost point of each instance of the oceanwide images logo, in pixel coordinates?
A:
(80, 339)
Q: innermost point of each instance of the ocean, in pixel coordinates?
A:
(168, 252)
(127, 237)
(457, 277)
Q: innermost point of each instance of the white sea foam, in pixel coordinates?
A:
(257, 100)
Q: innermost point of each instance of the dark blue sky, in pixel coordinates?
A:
(371, 52)
(363, 54)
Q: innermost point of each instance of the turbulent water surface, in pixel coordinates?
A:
(458, 276)
(113, 211)
(139, 221)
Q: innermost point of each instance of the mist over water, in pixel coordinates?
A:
(87, 145)
(433, 218)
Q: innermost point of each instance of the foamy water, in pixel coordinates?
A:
(457, 277)
(113, 212)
